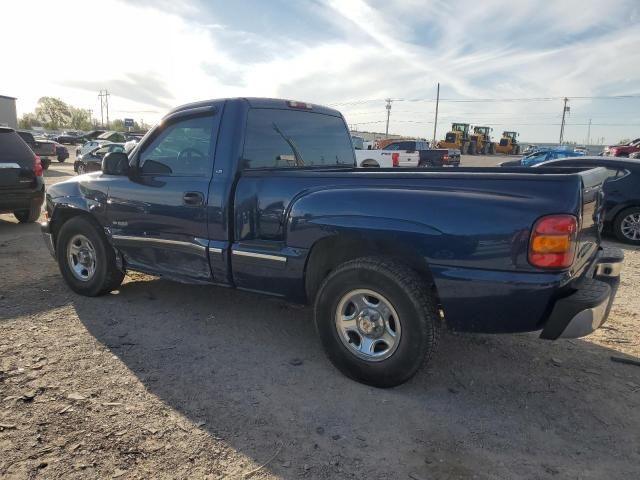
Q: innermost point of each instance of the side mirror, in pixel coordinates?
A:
(115, 163)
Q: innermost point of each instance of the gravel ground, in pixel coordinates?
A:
(163, 380)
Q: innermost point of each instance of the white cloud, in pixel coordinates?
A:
(153, 56)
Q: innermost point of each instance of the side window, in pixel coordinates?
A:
(182, 149)
(290, 138)
(393, 146)
(116, 148)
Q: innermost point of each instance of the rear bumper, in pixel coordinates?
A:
(23, 199)
(587, 309)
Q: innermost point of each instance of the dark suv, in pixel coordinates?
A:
(21, 182)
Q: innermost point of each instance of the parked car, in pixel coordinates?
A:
(621, 193)
(116, 137)
(69, 137)
(263, 195)
(61, 152)
(45, 149)
(622, 150)
(132, 141)
(634, 155)
(93, 134)
(428, 157)
(540, 156)
(21, 182)
(92, 160)
(88, 146)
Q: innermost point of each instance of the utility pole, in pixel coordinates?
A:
(101, 110)
(388, 107)
(435, 123)
(107, 101)
(104, 105)
(589, 134)
(565, 109)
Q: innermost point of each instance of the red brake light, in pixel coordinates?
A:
(445, 157)
(37, 166)
(553, 241)
(395, 158)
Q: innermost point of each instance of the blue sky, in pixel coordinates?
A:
(152, 55)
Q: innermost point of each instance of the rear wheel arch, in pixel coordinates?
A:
(370, 163)
(329, 253)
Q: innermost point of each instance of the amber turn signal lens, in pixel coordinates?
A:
(553, 241)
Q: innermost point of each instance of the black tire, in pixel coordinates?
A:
(485, 149)
(28, 216)
(416, 311)
(61, 159)
(45, 162)
(492, 149)
(472, 148)
(464, 149)
(81, 169)
(618, 223)
(107, 275)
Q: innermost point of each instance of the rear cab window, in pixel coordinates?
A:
(295, 139)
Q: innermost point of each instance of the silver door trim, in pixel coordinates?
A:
(262, 256)
(9, 165)
(160, 242)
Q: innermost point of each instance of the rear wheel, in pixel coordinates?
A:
(28, 216)
(492, 149)
(485, 149)
(81, 169)
(472, 148)
(626, 226)
(376, 320)
(86, 260)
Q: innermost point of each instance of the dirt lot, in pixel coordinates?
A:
(162, 380)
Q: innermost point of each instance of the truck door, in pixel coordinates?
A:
(158, 215)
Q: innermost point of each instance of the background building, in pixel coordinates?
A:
(8, 114)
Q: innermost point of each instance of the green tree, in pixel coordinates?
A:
(80, 119)
(28, 120)
(53, 113)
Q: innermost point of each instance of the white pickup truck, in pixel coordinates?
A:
(386, 158)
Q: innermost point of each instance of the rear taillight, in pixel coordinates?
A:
(37, 166)
(395, 158)
(445, 158)
(553, 241)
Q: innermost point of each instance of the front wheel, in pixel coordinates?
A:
(376, 320)
(626, 226)
(86, 260)
(81, 169)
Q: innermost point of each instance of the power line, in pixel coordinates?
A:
(496, 100)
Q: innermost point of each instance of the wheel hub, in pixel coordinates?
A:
(370, 323)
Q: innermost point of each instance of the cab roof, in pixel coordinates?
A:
(257, 102)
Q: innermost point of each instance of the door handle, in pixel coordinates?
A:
(193, 199)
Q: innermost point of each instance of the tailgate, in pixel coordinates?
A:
(592, 215)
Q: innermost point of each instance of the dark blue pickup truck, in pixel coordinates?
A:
(263, 195)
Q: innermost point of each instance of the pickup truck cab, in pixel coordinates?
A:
(427, 157)
(264, 195)
(386, 158)
(44, 149)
